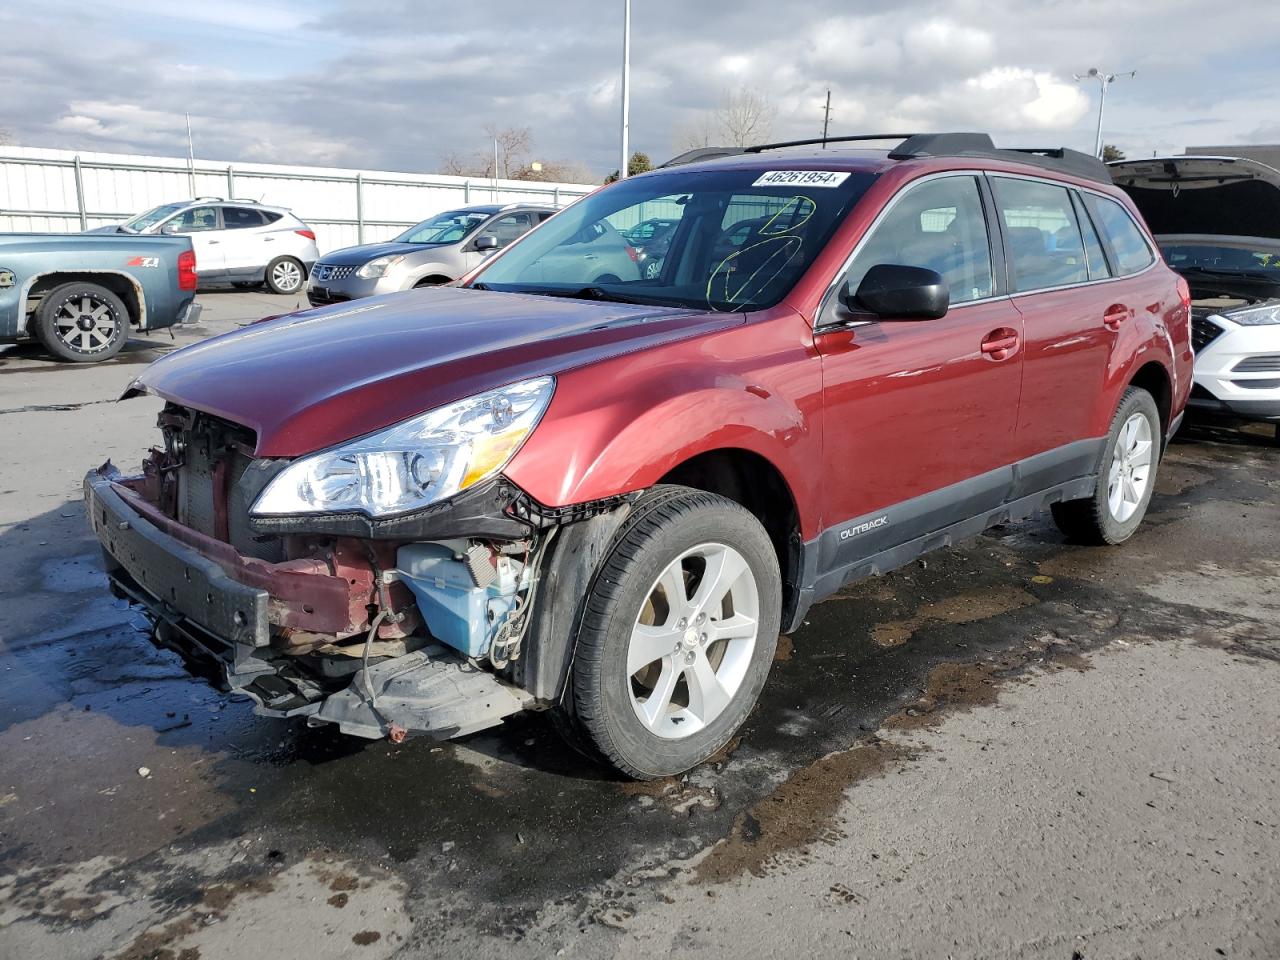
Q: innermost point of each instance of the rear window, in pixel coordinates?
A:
(234, 218)
(1043, 235)
(1127, 242)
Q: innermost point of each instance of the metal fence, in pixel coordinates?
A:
(60, 191)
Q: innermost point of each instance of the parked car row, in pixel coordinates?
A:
(600, 472)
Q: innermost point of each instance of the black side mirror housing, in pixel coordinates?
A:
(894, 291)
(486, 242)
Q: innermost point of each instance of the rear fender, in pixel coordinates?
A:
(58, 277)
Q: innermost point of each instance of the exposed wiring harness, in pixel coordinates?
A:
(510, 634)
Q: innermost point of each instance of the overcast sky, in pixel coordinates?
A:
(395, 85)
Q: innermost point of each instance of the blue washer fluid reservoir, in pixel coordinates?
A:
(458, 613)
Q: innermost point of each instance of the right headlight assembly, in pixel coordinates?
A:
(415, 463)
(378, 267)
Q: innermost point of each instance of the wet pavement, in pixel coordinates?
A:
(145, 814)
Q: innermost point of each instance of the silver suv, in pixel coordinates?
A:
(438, 250)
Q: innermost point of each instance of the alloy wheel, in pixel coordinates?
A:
(692, 642)
(86, 324)
(287, 276)
(1130, 472)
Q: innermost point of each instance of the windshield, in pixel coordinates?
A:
(740, 239)
(145, 221)
(446, 228)
(1261, 260)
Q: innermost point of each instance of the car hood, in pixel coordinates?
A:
(1211, 196)
(354, 256)
(309, 380)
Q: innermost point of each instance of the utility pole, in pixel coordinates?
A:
(1104, 81)
(191, 158)
(826, 120)
(626, 93)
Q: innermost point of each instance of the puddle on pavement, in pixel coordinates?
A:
(963, 608)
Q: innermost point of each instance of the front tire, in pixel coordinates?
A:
(286, 275)
(678, 634)
(81, 323)
(1126, 477)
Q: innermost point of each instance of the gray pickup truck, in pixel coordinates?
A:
(80, 294)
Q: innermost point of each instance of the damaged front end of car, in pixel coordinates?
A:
(340, 586)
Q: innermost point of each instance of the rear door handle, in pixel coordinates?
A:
(1000, 344)
(1116, 314)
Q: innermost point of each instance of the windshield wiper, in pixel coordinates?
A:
(593, 293)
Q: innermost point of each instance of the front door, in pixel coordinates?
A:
(204, 227)
(919, 416)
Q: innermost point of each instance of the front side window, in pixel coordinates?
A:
(510, 227)
(195, 220)
(448, 227)
(144, 221)
(738, 240)
(938, 225)
(1041, 233)
(1127, 242)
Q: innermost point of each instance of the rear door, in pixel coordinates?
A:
(1056, 275)
(245, 246)
(919, 416)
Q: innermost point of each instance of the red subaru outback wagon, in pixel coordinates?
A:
(571, 485)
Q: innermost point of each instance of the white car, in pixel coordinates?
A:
(236, 241)
(1217, 220)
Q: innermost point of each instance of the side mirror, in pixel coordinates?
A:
(169, 228)
(896, 292)
(486, 242)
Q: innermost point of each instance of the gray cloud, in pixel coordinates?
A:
(399, 85)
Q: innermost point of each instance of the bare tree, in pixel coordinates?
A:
(5, 137)
(456, 164)
(556, 171)
(744, 117)
(700, 131)
(514, 145)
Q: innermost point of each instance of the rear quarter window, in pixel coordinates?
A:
(1127, 242)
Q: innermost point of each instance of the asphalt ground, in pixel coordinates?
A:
(1016, 748)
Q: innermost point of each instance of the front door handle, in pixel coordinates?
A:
(1115, 315)
(1000, 344)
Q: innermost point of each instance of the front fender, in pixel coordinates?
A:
(621, 426)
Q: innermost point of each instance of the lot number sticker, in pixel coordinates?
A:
(801, 178)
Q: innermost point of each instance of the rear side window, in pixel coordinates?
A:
(1094, 256)
(1042, 234)
(269, 216)
(235, 218)
(1127, 242)
(939, 225)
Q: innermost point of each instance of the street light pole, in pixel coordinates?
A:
(1104, 81)
(626, 93)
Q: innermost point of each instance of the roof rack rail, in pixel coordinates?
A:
(761, 147)
(244, 200)
(205, 199)
(702, 153)
(914, 145)
(1064, 158)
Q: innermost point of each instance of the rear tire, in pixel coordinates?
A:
(1126, 477)
(669, 663)
(286, 275)
(81, 323)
